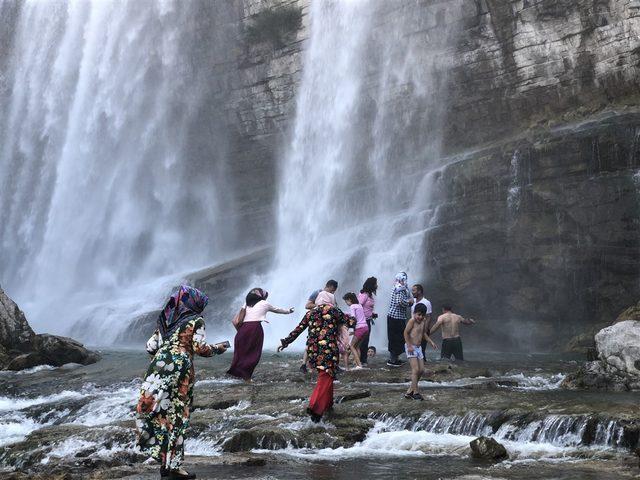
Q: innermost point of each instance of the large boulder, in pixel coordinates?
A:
(486, 448)
(21, 348)
(618, 347)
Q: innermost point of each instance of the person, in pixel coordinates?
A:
(247, 345)
(414, 333)
(166, 395)
(323, 323)
(401, 300)
(331, 287)
(343, 348)
(361, 329)
(417, 291)
(321, 297)
(450, 324)
(371, 351)
(366, 298)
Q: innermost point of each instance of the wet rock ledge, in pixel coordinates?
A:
(21, 347)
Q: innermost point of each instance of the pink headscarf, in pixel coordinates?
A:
(325, 298)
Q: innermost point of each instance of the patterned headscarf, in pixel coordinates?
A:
(401, 282)
(183, 304)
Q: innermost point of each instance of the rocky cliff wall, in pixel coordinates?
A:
(537, 203)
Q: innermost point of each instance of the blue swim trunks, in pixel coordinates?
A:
(417, 352)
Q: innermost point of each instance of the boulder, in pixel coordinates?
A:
(486, 448)
(21, 348)
(15, 332)
(618, 348)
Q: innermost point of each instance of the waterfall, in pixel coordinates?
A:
(356, 181)
(113, 156)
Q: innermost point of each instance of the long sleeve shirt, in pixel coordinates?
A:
(258, 313)
(368, 302)
(398, 307)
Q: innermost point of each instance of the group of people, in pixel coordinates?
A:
(166, 395)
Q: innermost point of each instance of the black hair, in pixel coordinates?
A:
(350, 296)
(420, 308)
(372, 348)
(447, 307)
(370, 286)
(332, 283)
(252, 299)
(420, 288)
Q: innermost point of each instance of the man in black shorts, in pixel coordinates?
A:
(450, 324)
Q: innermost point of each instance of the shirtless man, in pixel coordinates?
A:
(414, 333)
(450, 323)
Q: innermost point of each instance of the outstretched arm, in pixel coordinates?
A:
(199, 341)
(284, 311)
(295, 333)
(467, 321)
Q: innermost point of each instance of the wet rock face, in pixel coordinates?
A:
(486, 448)
(619, 347)
(15, 332)
(21, 348)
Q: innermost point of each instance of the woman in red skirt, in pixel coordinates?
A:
(324, 324)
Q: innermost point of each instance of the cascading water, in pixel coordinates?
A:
(354, 197)
(113, 156)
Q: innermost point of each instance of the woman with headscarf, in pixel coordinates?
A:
(401, 300)
(167, 392)
(247, 345)
(324, 324)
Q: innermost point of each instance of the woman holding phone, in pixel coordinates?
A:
(247, 345)
(166, 396)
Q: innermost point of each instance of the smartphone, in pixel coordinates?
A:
(225, 344)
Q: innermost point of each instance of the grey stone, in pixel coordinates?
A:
(619, 347)
(486, 448)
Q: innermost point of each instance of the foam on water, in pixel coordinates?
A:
(20, 403)
(202, 447)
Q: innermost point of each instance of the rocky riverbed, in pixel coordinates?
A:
(77, 422)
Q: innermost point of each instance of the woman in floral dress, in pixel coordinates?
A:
(167, 392)
(324, 324)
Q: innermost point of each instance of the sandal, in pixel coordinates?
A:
(417, 396)
(408, 395)
(176, 475)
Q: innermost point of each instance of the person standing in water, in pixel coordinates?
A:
(450, 324)
(323, 323)
(361, 329)
(417, 291)
(367, 299)
(247, 345)
(166, 395)
(415, 334)
(401, 300)
(330, 287)
(328, 296)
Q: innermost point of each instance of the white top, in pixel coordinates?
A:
(425, 302)
(258, 313)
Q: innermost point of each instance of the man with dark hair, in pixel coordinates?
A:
(331, 286)
(450, 324)
(417, 291)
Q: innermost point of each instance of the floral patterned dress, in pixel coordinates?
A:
(166, 396)
(322, 345)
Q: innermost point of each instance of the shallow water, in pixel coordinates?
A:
(87, 411)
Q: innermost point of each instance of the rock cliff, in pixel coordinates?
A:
(537, 207)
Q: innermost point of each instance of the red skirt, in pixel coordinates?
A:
(322, 397)
(247, 350)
